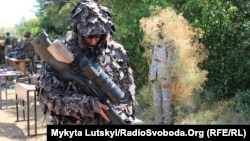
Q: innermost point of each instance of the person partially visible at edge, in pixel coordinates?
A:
(7, 46)
(29, 52)
(161, 59)
(2, 50)
(67, 102)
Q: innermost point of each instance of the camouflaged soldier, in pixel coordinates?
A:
(29, 52)
(162, 59)
(68, 102)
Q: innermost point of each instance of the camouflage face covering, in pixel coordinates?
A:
(90, 18)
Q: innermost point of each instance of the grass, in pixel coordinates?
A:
(229, 112)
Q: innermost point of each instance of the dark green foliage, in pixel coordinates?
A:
(242, 99)
(225, 28)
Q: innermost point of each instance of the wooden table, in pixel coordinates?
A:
(19, 64)
(23, 91)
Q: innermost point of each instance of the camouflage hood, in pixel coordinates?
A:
(90, 18)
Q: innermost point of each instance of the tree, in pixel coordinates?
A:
(224, 25)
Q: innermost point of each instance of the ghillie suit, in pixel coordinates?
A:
(71, 103)
(167, 29)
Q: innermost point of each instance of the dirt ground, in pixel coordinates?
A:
(11, 130)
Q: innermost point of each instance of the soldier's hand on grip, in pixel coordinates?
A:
(101, 112)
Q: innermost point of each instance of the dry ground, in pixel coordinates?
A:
(10, 130)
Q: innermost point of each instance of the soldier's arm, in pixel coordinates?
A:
(59, 101)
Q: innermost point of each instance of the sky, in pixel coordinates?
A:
(12, 11)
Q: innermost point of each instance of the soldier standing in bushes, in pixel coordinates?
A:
(162, 59)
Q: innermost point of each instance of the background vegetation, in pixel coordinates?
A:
(221, 27)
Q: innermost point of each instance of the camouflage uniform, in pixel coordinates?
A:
(29, 52)
(70, 103)
(161, 59)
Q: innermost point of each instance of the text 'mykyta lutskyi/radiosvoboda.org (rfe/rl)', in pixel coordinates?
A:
(214, 132)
